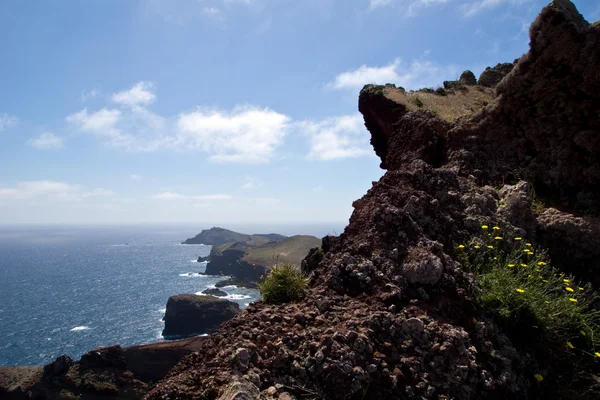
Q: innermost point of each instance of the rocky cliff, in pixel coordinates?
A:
(247, 263)
(216, 235)
(390, 312)
(191, 314)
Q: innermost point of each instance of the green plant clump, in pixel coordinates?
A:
(418, 102)
(532, 301)
(283, 285)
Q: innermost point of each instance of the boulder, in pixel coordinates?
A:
(492, 76)
(215, 292)
(190, 314)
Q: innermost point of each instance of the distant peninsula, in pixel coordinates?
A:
(216, 235)
(246, 258)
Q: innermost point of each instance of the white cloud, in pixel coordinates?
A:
(318, 189)
(408, 7)
(101, 122)
(7, 121)
(89, 94)
(179, 196)
(364, 75)
(140, 94)
(32, 190)
(46, 140)
(337, 138)
(246, 134)
(251, 183)
(135, 177)
(475, 7)
(416, 75)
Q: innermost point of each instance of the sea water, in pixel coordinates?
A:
(68, 290)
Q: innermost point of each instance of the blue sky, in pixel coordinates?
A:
(218, 111)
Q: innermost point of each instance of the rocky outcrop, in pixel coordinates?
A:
(107, 372)
(190, 314)
(216, 235)
(466, 78)
(215, 292)
(492, 76)
(389, 312)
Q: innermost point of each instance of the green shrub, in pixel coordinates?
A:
(283, 284)
(418, 102)
(536, 304)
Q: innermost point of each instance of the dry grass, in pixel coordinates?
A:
(288, 251)
(458, 103)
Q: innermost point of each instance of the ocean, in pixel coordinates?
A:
(68, 290)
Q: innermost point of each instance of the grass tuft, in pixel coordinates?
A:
(283, 285)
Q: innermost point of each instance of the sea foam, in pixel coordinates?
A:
(80, 328)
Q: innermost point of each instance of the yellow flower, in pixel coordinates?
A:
(570, 345)
(581, 289)
(528, 244)
(496, 228)
(565, 280)
(476, 246)
(520, 290)
(523, 265)
(490, 247)
(511, 265)
(539, 377)
(573, 300)
(569, 289)
(547, 302)
(597, 354)
(545, 281)
(518, 238)
(462, 246)
(495, 258)
(498, 238)
(541, 263)
(530, 276)
(484, 227)
(582, 333)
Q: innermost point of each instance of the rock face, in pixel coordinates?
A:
(189, 314)
(218, 235)
(389, 312)
(492, 76)
(246, 263)
(107, 372)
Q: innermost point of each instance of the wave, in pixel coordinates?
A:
(236, 297)
(80, 328)
(192, 274)
(118, 245)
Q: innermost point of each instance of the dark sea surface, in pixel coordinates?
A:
(68, 290)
